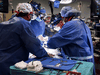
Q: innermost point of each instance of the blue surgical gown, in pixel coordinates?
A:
(74, 38)
(38, 27)
(17, 39)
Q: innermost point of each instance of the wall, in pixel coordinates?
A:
(85, 10)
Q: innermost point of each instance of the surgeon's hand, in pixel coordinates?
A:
(40, 37)
(51, 55)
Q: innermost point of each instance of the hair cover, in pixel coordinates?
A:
(67, 11)
(24, 8)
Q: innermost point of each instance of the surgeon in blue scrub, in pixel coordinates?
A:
(74, 38)
(17, 39)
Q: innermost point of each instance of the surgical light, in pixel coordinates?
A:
(98, 2)
(64, 1)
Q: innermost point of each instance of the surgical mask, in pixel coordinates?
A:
(63, 21)
(34, 17)
(31, 15)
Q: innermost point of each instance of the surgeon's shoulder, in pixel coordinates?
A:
(68, 24)
(13, 20)
(21, 21)
(18, 19)
(73, 23)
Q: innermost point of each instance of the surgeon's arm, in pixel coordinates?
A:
(65, 36)
(31, 42)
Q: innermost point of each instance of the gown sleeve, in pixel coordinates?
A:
(66, 35)
(31, 42)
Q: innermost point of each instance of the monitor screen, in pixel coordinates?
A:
(4, 6)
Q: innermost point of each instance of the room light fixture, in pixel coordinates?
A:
(64, 1)
(98, 2)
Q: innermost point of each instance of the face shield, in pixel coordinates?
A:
(31, 16)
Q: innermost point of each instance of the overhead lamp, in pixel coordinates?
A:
(63, 1)
(98, 2)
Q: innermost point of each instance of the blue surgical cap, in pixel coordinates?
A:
(42, 11)
(67, 11)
